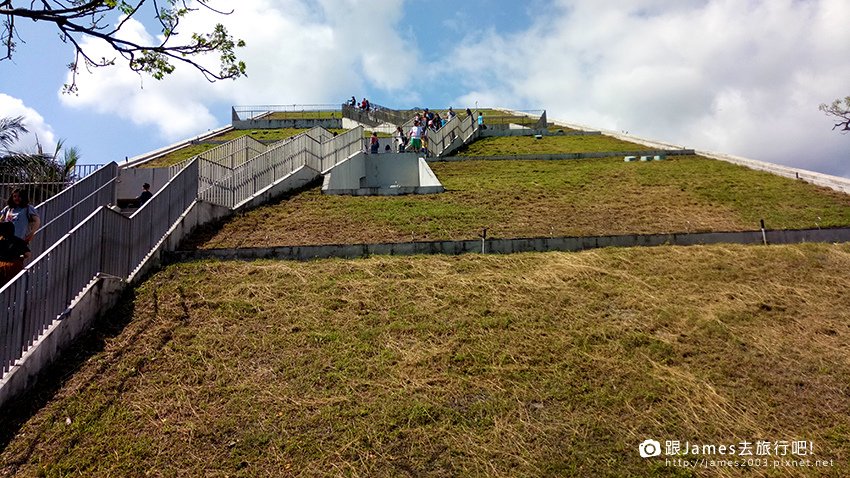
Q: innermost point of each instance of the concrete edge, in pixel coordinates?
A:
(101, 295)
(197, 214)
(836, 183)
(151, 155)
(508, 246)
(565, 156)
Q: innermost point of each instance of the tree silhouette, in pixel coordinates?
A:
(839, 109)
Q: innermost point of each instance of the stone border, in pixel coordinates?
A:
(559, 156)
(508, 246)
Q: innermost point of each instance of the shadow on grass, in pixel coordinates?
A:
(15, 414)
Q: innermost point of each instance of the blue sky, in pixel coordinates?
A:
(740, 77)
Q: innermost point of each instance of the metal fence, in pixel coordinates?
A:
(376, 115)
(339, 148)
(41, 187)
(66, 199)
(105, 241)
(437, 141)
(313, 111)
(57, 226)
(236, 152)
(231, 186)
(150, 222)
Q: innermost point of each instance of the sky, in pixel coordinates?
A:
(742, 77)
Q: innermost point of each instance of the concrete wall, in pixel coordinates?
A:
(327, 123)
(427, 178)
(100, 296)
(373, 172)
(506, 246)
(130, 181)
(383, 170)
(348, 174)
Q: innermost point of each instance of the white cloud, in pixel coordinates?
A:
(740, 77)
(297, 52)
(39, 131)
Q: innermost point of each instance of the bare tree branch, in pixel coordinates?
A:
(80, 19)
(839, 109)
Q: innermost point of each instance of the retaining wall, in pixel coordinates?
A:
(507, 246)
(98, 298)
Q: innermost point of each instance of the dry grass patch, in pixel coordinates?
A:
(546, 198)
(525, 365)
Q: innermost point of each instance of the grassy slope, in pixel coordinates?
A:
(542, 198)
(524, 365)
(512, 145)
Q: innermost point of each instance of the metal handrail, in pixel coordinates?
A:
(249, 112)
(105, 241)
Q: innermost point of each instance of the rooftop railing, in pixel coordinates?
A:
(271, 112)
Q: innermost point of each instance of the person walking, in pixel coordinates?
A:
(146, 194)
(373, 143)
(13, 252)
(401, 139)
(416, 137)
(21, 214)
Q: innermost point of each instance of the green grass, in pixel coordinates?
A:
(546, 198)
(514, 145)
(508, 366)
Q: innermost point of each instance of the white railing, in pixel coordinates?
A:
(105, 241)
(303, 111)
(42, 291)
(80, 190)
(149, 223)
(339, 148)
(232, 186)
(233, 153)
(57, 226)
